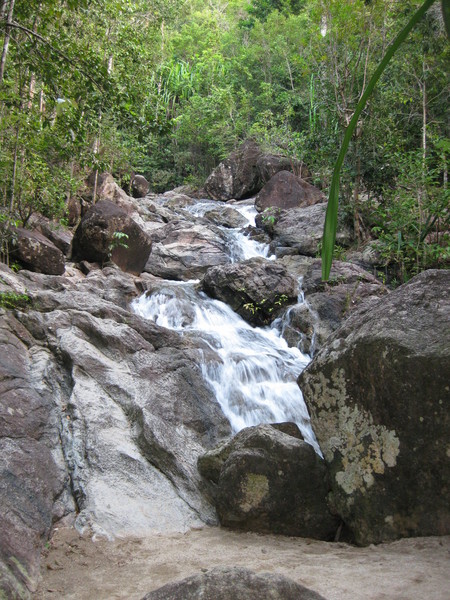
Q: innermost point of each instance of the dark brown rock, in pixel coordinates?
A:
(285, 190)
(245, 172)
(37, 252)
(270, 481)
(94, 238)
(55, 232)
(73, 211)
(234, 583)
(139, 186)
(378, 394)
(257, 289)
(237, 176)
(30, 480)
(270, 164)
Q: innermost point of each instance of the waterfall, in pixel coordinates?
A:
(252, 370)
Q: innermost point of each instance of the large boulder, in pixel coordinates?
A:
(270, 164)
(237, 176)
(377, 394)
(257, 289)
(139, 186)
(37, 252)
(285, 190)
(302, 229)
(95, 238)
(269, 480)
(245, 172)
(234, 583)
(55, 232)
(184, 250)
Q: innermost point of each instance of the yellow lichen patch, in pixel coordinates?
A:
(367, 449)
(254, 489)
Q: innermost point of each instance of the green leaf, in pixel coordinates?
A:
(330, 226)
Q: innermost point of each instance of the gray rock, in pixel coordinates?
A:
(184, 250)
(285, 190)
(226, 216)
(302, 228)
(270, 481)
(327, 305)
(31, 479)
(103, 413)
(234, 583)
(257, 289)
(94, 239)
(377, 394)
(37, 252)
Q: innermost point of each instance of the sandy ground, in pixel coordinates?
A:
(75, 567)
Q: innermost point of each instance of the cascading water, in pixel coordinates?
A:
(252, 371)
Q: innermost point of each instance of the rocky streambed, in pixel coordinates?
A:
(112, 420)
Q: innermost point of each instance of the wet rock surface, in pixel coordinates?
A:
(377, 393)
(257, 289)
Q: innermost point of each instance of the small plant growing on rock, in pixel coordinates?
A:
(118, 240)
(12, 300)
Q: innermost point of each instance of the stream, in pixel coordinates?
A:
(251, 370)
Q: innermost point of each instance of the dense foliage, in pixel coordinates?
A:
(167, 88)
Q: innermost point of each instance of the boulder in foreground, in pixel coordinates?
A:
(234, 583)
(378, 397)
(269, 480)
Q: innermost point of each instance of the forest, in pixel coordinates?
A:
(168, 88)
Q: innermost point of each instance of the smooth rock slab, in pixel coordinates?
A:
(234, 583)
(378, 395)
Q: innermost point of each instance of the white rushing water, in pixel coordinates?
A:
(252, 371)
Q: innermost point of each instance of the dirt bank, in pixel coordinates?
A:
(77, 568)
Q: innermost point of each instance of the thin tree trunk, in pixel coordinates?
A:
(7, 38)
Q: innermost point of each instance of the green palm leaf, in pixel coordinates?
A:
(329, 231)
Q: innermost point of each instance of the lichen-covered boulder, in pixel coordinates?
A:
(257, 289)
(269, 480)
(234, 583)
(378, 395)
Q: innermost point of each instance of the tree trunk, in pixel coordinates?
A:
(7, 37)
